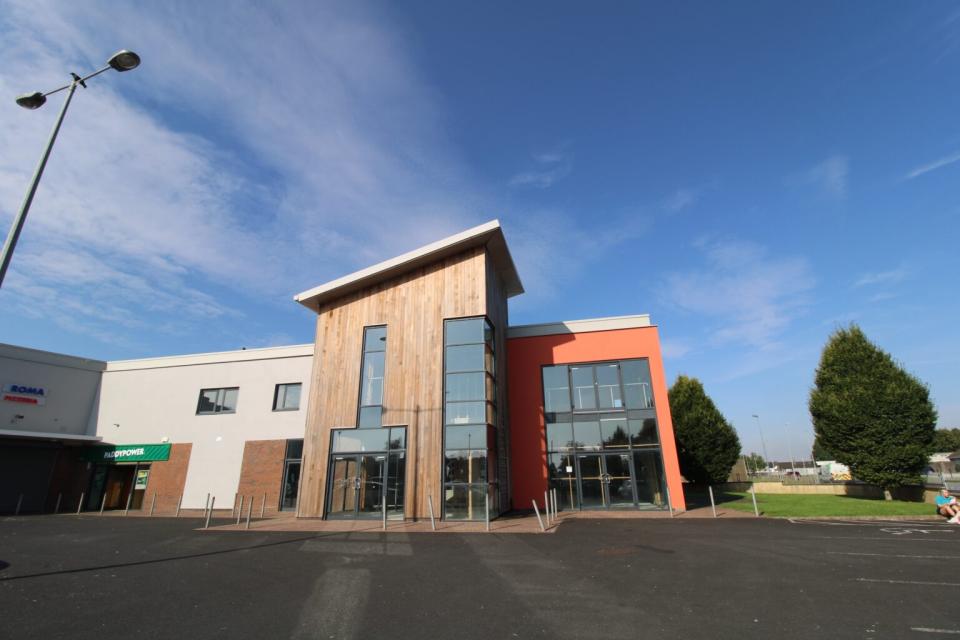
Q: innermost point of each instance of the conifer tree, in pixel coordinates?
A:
(869, 413)
(707, 445)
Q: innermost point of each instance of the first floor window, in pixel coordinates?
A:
(286, 397)
(218, 400)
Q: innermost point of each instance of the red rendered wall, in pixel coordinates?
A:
(525, 357)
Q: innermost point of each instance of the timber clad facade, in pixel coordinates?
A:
(416, 395)
(413, 307)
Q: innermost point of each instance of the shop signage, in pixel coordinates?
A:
(127, 453)
(24, 394)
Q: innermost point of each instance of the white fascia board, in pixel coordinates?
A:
(47, 435)
(241, 355)
(479, 235)
(48, 357)
(579, 326)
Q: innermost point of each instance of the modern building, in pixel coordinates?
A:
(416, 396)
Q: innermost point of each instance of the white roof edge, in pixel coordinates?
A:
(47, 435)
(579, 326)
(240, 355)
(415, 256)
(49, 357)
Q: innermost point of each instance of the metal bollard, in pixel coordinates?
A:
(753, 494)
(206, 506)
(553, 501)
(539, 519)
(670, 506)
(103, 502)
(56, 509)
(233, 509)
(179, 503)
(249, 512)
(433, 523)
(210, 513)
(153, 503)
(80, 503)
(488, 510)
(263, 506)
(384, 510)
(546, 507)
(129, 500)
(712, 503)
(19, 503)
(239, 511)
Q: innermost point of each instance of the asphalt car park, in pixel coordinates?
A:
(103, 577)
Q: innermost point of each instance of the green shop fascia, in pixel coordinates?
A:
(126, 453)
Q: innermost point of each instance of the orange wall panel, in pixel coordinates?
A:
(525, 357)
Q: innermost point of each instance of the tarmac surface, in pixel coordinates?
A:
(97, 577)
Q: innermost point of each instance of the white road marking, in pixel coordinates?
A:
(932, 584)
(926, 524)
(889, 555)
(889, 539)
(929, 630)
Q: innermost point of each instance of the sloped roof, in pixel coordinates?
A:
(489, 234)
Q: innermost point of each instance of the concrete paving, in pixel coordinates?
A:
(91, 577)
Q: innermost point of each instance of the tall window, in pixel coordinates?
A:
(469, 417)
(291, 475)
(286, 397)
(370, 412)
(602, 407)
(218, 401)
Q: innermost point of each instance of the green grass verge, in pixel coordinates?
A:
(789, 505)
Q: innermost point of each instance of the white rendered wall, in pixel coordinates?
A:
(146, 401)
(70, 386)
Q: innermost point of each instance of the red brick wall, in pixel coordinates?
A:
(261, 473)
(167, 479)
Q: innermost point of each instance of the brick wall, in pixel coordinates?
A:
(167, 479)
(261, 474)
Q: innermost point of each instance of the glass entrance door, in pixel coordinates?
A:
(357, 485)
(606, 481)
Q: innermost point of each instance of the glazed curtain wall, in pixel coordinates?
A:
(525, 359)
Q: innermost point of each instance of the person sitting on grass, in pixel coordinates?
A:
(947, 506)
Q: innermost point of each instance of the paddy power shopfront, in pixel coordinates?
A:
(120, 474)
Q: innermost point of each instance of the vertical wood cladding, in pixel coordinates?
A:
(413, 307)
(167, 479)
(261, 473)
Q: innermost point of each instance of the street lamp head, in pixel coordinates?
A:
(124, 60)
(31, 100)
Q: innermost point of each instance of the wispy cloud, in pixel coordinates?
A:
(681, 199)
(830, 176)
(675, 349)
(932, 166)
(892, 276)
(183, 190)
(749, 296)
(548, 168)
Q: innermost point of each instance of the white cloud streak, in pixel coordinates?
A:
(549, 168)
(259, 150)
(749, 297)
(830, 177)
(933, 166)
(893, 276)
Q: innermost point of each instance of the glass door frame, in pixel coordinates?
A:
(383, 481)
(605, 480)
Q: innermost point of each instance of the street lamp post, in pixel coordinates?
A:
(121, 61)
(763, 443)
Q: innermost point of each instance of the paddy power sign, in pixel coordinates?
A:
(127, 453)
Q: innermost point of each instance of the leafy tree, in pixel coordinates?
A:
(946, 440)
(755, 462)
(707, 445)
(871, 414)
(820, 452)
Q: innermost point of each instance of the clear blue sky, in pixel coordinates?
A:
(753, 175)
